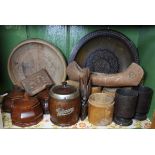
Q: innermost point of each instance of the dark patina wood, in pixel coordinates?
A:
(14, 94)
(26, 111)
(64, 105)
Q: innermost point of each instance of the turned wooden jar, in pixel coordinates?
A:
(43, 97)
(26, 111)
(13, 95)
(64, 104)
(100, 109)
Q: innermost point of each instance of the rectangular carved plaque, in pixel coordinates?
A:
(37, 82)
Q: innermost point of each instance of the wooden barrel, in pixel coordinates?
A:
(100, 109)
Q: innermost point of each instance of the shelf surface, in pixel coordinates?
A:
(46, 123)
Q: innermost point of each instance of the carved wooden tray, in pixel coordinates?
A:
(33, 55)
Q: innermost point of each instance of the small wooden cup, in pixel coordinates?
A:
(100, 109)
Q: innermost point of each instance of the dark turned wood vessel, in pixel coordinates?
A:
(64, 105)
(125, 106)
(144, 101)
(13, 95)
(26, 111)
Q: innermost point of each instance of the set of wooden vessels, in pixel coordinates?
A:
(62, 102)
(66, 102)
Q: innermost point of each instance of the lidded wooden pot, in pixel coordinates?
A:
(13, 95)
(64, 104)
(26, 111)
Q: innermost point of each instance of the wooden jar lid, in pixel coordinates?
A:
(31, 56)
(64, 92)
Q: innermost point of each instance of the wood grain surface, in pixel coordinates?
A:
(33, 55)
(37, 82)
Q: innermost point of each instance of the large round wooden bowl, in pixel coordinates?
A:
(105, 51)
(31, 56)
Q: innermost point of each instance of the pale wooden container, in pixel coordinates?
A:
(100, 109)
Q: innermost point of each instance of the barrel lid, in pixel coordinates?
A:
(64, 91)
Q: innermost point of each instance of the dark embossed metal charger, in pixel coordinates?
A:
(105, 51)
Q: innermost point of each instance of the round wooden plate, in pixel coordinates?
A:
(105, 51)
(31, 56)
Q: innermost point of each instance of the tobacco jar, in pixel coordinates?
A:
(26, 111)
(13, 95)
(64, 104)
